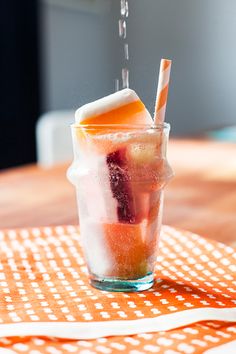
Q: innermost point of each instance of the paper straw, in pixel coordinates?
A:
(162, 91)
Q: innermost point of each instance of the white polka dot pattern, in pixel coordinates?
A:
(43, 278)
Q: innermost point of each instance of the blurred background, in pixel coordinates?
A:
(59, 54)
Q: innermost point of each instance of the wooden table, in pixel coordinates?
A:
(201, 198)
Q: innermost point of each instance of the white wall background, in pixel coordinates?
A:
(77, 61)
(82, 56)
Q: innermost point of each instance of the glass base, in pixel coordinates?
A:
(114, 284)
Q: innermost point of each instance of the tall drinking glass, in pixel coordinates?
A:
(119, 172)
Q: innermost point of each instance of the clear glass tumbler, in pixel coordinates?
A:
(119, 172)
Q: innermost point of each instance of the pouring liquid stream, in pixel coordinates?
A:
(124, 12)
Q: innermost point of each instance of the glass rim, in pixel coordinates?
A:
(155, 126)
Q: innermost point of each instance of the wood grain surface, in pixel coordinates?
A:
(200, 198)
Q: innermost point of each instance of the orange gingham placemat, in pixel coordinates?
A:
(43, 278)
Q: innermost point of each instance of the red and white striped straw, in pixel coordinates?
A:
(162, 91)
